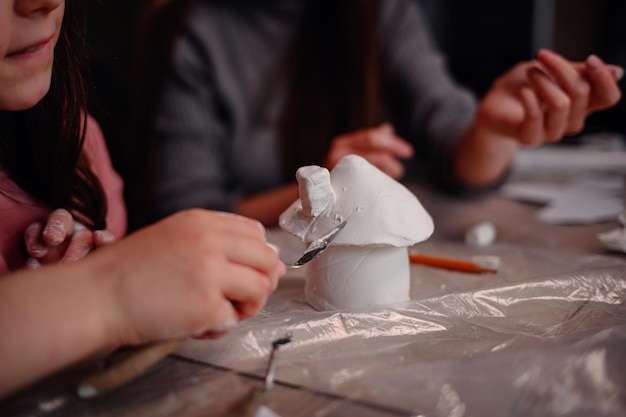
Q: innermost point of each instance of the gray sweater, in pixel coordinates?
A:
(212, 146)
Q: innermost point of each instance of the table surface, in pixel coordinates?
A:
(182, 386)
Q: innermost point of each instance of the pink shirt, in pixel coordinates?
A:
(18, 210)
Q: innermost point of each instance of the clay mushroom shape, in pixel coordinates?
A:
(367, 264)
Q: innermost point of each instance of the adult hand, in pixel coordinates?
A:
(379, 145)
(61, 239)
(543, 100)
(195, 272)
(533, 103)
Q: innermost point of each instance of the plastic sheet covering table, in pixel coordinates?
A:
(544, 336)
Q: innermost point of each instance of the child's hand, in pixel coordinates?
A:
(61, 239)
(197, 272)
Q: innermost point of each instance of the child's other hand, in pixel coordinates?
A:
(61, 239)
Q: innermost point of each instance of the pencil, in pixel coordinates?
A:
(126, 369)
(446, 263)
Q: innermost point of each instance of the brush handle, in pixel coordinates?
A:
(126, 369)
(247, 405)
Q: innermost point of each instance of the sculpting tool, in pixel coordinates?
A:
(126, 369)
(248, 405)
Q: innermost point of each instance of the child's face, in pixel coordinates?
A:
(29, 30)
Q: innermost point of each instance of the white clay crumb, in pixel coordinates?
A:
(481, 235)
(614, 239)
(87, 391)
(49, 406)
(487, 261)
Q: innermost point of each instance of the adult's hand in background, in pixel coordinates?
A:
(379, 145)
(543, 100)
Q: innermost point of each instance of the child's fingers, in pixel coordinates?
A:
(223, 318)
(33, 263)
(103, 237)
(60, 226)
(80, 245)
(35, 246)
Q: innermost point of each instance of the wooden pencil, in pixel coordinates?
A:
(126, 369)
(446, 263)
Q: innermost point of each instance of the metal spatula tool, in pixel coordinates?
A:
(248, 405)
(318, 246)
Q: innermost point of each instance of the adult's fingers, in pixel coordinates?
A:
(570, 79)
(606, 92)
(616, 71)
(556, 104)
(59, 226)
(382, 139)
(386, 163)
(531, 130)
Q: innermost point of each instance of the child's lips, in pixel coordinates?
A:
(31, 49)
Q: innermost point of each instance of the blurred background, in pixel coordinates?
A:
(481, 39)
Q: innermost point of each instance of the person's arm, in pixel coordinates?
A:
(194, 272)
(426, 106)
(50, 318)
(482, 159)
(534, 103)
(217, 145)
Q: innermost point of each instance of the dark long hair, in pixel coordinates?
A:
(41, 148)
(334, 70)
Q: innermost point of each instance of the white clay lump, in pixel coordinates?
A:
(481, 235)
(367, 264)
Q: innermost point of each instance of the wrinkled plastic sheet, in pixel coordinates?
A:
(545, 336)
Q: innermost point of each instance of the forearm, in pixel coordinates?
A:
(268, 206)
(50, 318)
(482, 158)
